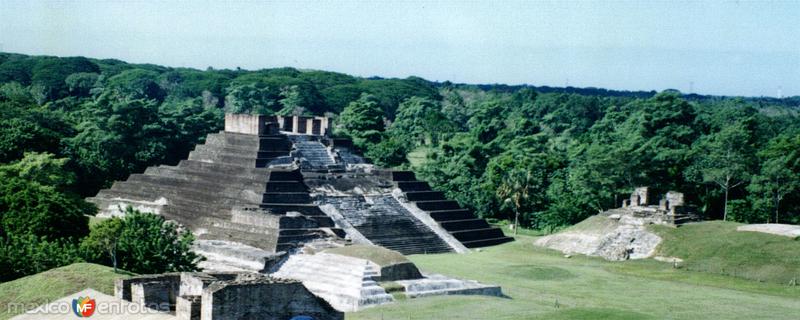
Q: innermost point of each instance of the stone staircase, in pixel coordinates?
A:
(207, 192)
(226, 256)
(345, 282)
(435, 284)
(382, 220)
(462, 224)
(314, 153)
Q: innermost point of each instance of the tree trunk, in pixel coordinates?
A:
(777, 205)
(114, 257)
(725, 208)
(516, 220)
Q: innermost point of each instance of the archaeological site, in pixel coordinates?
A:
(282, 211)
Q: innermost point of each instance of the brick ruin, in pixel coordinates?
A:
(219, 296)
(669, 208)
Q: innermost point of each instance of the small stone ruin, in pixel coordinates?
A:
(222, 296)
(670, 208)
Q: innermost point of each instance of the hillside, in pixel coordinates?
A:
(716, 247)
(711, 247)
(50, 285)
(543, 284)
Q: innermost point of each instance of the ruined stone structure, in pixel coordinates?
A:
(670, 209)
(349, 279)
(222, 296)
(270, 184)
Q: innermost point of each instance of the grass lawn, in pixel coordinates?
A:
(543, 284)
(53, 284)
(716, 247)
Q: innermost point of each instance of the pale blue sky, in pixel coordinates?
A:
(730, 48)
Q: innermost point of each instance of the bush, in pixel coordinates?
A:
(141, 243)
(27, 207)
(22, 255)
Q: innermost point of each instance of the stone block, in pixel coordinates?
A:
(643, 196)
(674, 199)
(156, 295)
(263, 298)
(122, 287)
(247, 123)
(188, 308)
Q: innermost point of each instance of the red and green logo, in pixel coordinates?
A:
(83, 307)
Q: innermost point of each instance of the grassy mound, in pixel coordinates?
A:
(596, 224)
(41, 288)
(379, 255)
(716, 247)
(543, 284)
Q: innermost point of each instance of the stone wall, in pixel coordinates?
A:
(246, 123)
(263, 298)
(232, 295)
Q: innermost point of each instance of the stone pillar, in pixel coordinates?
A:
(295, 124)
(325, 126)
(188, 308)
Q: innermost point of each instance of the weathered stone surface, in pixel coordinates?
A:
(233, 295)
(263, 299)
(786, 230)
(122, 287)
(347, 283)
(612, 239)
(436, 284)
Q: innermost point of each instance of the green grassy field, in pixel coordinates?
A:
(50, 285)
(716, 247)
(543, 284)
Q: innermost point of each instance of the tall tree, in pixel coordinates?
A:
(724, 158)
(776, 179)
(515, 190)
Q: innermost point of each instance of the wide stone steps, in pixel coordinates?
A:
(451, 215)
(190, 174)
(486, 242)
(315, 153)
(286, 197)
(437, 205)
(225, 256)
(286, 186)
(460, 223)
(265, 241)
(468, 224)
(424, 195)
(345, 282)
(385, 222)
(249, 142)
(222, 169)
(434, 284)
(197, 184)
(413, 186)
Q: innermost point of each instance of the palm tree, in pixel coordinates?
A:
(514, 190)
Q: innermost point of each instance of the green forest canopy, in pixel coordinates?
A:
(89, 122)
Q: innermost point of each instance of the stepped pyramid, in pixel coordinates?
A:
(268, 184)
